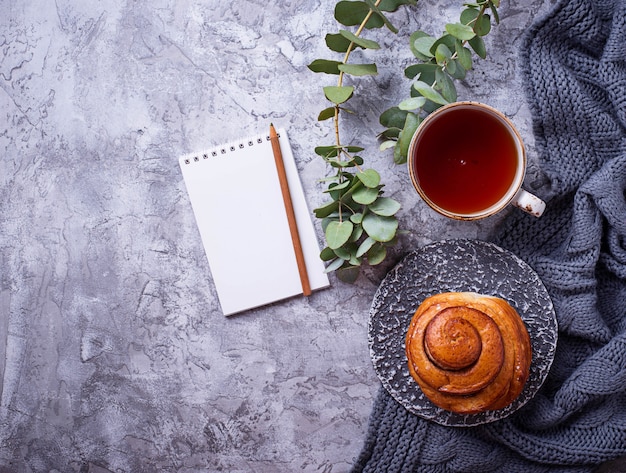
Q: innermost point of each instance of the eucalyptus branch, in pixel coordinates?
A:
(442, 61)
(359, 223)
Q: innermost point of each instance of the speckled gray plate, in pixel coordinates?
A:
(457, 265)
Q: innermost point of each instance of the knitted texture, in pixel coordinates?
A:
(574, 63)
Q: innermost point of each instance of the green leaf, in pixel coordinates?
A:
(362, 42)
(413, 70)
(365, 195)
(359, 69)
(369, 177)
(496, 15)
(326, 66)
(351, 13)
(393, 118)
(385, 206)
(482, 27)
(446, 85)
(464, 55)
(442, 54)
(430, 93)
(365, 246)
(326, 114)
(469, 15)
(338, 94)
(338, 186)
(338, 233)
(404, 140)
(385, 145)
(375, 9)
(376, 254)
(460, 31)
(326, 151)
(327, 254)
(412, 103)
(337, 42)
(356, 218)
(334, 265)
(343, 253)
(380, 228)
(348, 274)
(356, 234)
(423, 45)
(478, 45)
(393, 5)
(326, 209)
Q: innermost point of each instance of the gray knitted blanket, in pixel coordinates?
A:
(574, 62)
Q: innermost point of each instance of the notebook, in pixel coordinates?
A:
(237, 202)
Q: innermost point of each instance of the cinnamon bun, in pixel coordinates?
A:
(468, 352)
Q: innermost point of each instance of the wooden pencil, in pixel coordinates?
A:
(291, 216)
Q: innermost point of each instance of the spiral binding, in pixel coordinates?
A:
(228, 148)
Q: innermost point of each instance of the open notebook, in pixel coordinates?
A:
(239, 209)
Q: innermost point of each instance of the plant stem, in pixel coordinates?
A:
(345, 60)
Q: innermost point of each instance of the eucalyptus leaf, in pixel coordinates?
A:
(393, 118)
(413, 70)
(482, 27)
(356, 234)
(338, 233)
(393, 5)
(404, 140)
(376, 10)
(326, 66)
(478, 45)
(385, 206)
(423, 45)
(376, 254)
(327, 254)
(380, 228)
(343, 253)
(362, 42)
(385, 145)
(365, 246)
(348, 274)
(351, 13)
(496, 15)
(464, 55)
(460, 31)
(359, 69)
(338, 186)
(356, 218)
(365, 195)
(326, 209)
(337, 42)
(469, 15)
(326, 114)
(442, 54)
(334, 265)
(431, 94)
(412, 103)
(338, 94)
(326, 151)
(369, 177)
(446, 85)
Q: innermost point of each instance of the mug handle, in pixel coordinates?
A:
(529, 203)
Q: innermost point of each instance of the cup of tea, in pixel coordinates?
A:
(467, 161)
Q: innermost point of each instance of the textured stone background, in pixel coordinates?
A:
(113, 353)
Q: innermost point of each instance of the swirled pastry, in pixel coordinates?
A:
(468, 352)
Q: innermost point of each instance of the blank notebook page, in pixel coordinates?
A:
(239, 209)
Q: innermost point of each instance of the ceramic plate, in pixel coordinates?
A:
(456, 266)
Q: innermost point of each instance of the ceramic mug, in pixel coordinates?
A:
(467, 161)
